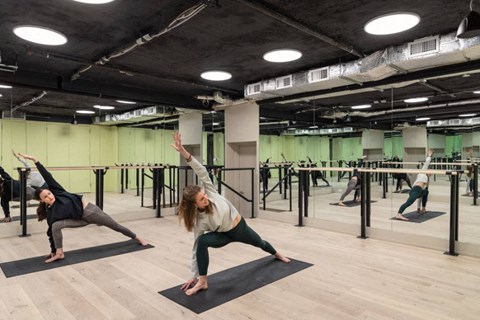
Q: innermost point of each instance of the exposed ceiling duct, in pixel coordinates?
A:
(421, 54)
(149, 114)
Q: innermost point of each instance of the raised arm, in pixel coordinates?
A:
(53, 185)
(427, 161)
(22, 160)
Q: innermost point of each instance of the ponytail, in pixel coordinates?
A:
(42, 211)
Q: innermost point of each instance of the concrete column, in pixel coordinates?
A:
(372, 144)
(190, 127)
(242, 130)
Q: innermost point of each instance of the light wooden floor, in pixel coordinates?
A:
(351, 278)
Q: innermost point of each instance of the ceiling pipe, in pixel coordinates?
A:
(26, 103)
(179, 20)
(288, 21)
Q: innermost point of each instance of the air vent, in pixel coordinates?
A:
(284, 82)
(254, 88)
(318, 75)
(13, 115)
(423, 46)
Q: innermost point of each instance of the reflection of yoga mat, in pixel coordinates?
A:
(29, 216)
(19, 267)
(350, 203)
(235, 282)
(403, 191)
(416, 217)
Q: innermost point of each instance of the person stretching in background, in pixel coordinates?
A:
(214, 221)
(63, 209)
(419, 190)
(354, 184)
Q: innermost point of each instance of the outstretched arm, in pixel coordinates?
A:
(427, 161)
(22, 160)
(53, 185)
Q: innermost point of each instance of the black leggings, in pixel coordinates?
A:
(414, 194)
(241, 233)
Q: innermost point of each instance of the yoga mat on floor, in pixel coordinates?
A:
(29, 216)
(350, 203)
(416, 217)
(232, 283)
(25, 266)
(403, 191)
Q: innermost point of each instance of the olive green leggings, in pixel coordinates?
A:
(241, 233)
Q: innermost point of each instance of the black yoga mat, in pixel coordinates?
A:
(402, 191)
(416, 217)
(235, 282)
(20, 267)
(29, 216)
(349, 203)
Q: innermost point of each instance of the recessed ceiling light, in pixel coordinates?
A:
(4, 86)
(216, 123)
(362, 106)
(282, 55)
(313, 127)
(1, 96)
(392, 23)
(126, 102)
(97, 106)
(85, 111)
(416, 100)
(423, 119)
(94, 1)
(476, 92)
(40, 35)
(467, 115)
(216, 75)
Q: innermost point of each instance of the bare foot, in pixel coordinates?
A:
(281, 257)
(57, 256)
(200, 285)
(6, 219)
(400, 217)
(423, 211)
(340, 203)
(141, 241)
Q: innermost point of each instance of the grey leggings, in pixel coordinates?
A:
(352, 185)
(91, 215)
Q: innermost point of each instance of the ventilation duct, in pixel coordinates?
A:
(316, 132)
(421, 54)
(454, 123)
(135, 116)
(16, 115)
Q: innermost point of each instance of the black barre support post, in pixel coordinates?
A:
(23, 172)
(475, 183)
(99, 186)
(453, 214)
(363, 206)
(301, 177)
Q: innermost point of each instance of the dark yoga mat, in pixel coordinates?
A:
(235, 282)
(416, 217)
(19, 267)
(29, 216)
(350, 203)
(403, 191)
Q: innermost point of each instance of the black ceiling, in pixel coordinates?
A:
(232, 35)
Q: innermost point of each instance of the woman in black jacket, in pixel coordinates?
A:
(63, 209)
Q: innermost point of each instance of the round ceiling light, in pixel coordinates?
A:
(126, 102)
(282, 55)
(97, 106)
(416, 100)
(40, 35)
(94, 1)
(362, 106)
(216, 75)
(85, 111)
(392, 23)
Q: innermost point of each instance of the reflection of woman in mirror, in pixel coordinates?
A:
(468, 188)
(354, 184)
(316, 174)
(419, 190)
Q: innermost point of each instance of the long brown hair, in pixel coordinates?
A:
(42, 206)
(1, 187)
(187, 209)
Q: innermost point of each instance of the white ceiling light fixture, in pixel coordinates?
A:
(467, 115)
(40, 35)
(85, 111)
(126, 102)
(94, 1)
(476, 92)
(1, 96)
(282, 55)
(4, 86)
(416, 100)
(216, 75)
(392, 23)
(362, 106)
(423, 119)
(97, 106)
